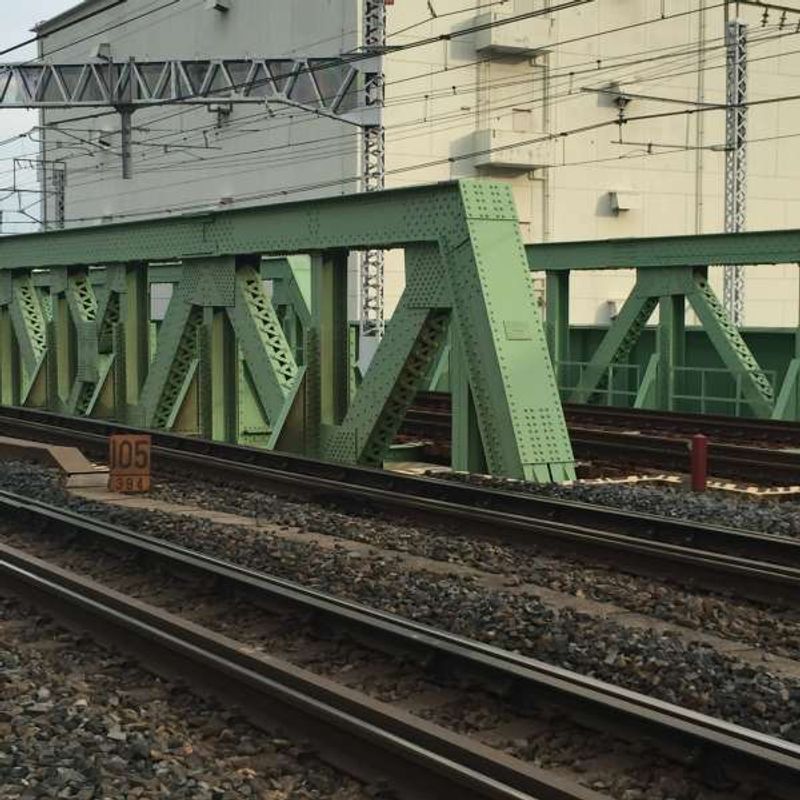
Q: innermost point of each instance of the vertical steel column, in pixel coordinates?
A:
(329, 311)
(9, 361)
(557, 319)
(126, 128)
(136, 325)
(374, 167)
(467, 454)
(735, 160)
(65, 356)
(671, 347)
(59, 192)
(219, 377)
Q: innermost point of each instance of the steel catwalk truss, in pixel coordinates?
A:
(735, 160)
(327, 86)
(374, 167)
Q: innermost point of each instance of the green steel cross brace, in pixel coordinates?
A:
(668, 278)
(259, 350)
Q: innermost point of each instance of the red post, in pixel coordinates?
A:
(699, 449)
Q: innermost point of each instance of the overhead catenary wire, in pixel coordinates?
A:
(637, 23)
(451, 69)
(230, 157)
(629, 26)
(409, 98)
(338, 182)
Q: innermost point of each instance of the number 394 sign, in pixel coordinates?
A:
(129, 463)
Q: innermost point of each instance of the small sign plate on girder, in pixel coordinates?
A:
(518, 330)
(129, 463)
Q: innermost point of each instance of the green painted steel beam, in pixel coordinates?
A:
(731, 348)
(380, 220)
(787, 406)
(291, 278)
(757, 247)
(557, 318)
(616, 345)
(671, 343)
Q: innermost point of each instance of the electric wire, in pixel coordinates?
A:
(339, 182)
(694, 50)
(228, 157)
(411, 98)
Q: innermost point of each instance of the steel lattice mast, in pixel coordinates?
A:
(374, 167)
(325, 87)
(735, 159)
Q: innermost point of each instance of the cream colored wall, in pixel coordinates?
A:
(439, 96)
(434, 116)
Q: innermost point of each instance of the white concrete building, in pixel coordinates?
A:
(537, 103)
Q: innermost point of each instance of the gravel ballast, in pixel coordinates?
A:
(774, 517)
(690, 674)
(81, 721)
(774, 629)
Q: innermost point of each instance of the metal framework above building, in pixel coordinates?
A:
(328, 86)
(373, 320)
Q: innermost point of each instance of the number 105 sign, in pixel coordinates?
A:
(129, 463)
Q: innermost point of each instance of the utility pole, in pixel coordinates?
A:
(373, 320)
(700, 119)
(735, 158)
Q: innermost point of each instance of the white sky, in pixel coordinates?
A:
(18, 19)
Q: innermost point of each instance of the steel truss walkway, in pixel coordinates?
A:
(75, 330)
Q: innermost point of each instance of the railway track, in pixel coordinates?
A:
(740, 449)
(768, 433)
(422, 757)
(748, 564)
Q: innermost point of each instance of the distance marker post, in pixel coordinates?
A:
(129, 463)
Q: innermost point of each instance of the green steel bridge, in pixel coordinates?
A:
(256, 345)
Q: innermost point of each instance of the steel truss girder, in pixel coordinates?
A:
(82, 305)
(28, 326)
(175, 364)
(466, 262)
(262, 341)
(746, 248)
(86, 370)
(669, 287)
(328, 86)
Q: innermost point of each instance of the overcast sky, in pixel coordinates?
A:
(18, 19)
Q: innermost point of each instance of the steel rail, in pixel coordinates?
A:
(642, 448)
(364, 736)
(524, 680)
(777, 432)
(755, 464)
(761, 566)
(653, 439)
(771, 431)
